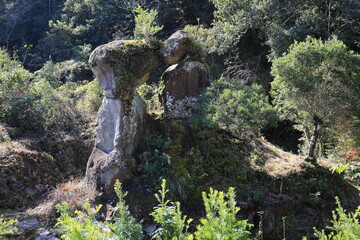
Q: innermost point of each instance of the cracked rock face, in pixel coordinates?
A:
(183, 84)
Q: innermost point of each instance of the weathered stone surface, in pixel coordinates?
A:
(5, 132)
(46, 238)
(183, 84)
(123, 65)
(26, 227)
(175, 47)
(120, 125)
(120, 67)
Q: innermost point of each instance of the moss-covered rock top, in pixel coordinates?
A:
(123, 65)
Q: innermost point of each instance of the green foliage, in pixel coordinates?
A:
(345, 169)
(172, 224)
(16, 96)
(236, 108)
(203, 35)
(36, 102)
(280, 23)
(6, 227)
(123, 224)
(316, 79)
(232, 19)
(59, 73)
(150, 93)
(145, 25)
(78, 29)
(84, 225)
(344, 225)
(220, 221)
(56, 112)
(93, 96)
(190, 155)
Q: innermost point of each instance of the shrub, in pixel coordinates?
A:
(344, 225)
(172, 224)
(235, 107)
(220, 221)
(93, 97)
(59, 73)
(145, 25)
(16, 97)
(6, 227)
(57, 113)
(84, 225)
(124, 225)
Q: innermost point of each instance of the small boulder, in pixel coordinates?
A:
(175, 47)
(41, 237)
(183, 84)
(26, 227)
(5, 133)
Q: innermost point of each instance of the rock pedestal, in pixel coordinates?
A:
(120, 125)
(120, 67)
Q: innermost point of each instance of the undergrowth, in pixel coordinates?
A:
(220, 221)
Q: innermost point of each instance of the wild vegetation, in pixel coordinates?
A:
(273, 64)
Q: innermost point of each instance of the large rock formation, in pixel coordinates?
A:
(183, 84)
(120, 67)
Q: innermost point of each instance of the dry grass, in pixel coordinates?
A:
(274, 161)
(74, 192)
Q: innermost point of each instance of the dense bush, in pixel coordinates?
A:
(235, 107)
(17, 97)
(220, 221)
(84, 225)
(93, 96)
(45, 100)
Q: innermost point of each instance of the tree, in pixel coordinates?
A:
(145, 23)
(316, 84)
(281, 22)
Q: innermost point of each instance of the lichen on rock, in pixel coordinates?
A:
(175, 47)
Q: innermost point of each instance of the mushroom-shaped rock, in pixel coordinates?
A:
(123, 65)
(183, 84)
(175, 47)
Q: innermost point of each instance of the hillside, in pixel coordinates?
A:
(245, 114)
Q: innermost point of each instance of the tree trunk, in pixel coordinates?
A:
(313, 140)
